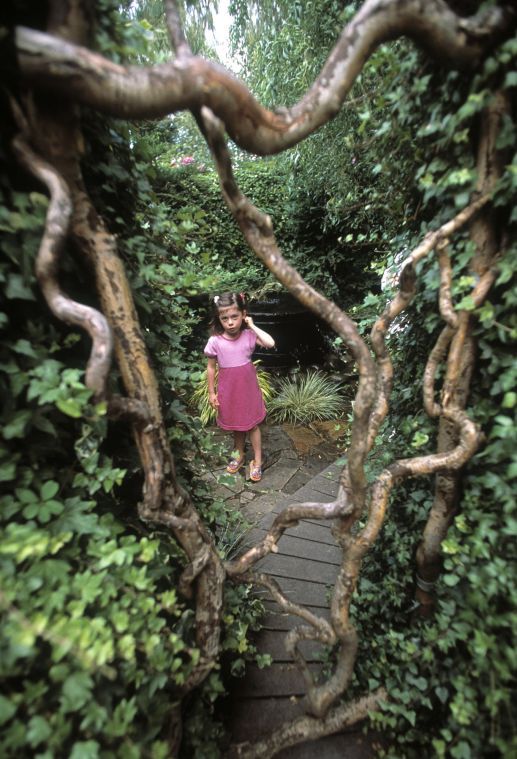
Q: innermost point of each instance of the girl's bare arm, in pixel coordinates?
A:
(210, 373)
(263, 338)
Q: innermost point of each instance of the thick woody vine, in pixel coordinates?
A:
(60, 63)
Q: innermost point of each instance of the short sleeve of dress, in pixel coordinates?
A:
(210, 348)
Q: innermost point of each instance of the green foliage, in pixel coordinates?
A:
(307, 398)
(201, 400)
(91, 637)
(349, 186)
(450, 680)
(94, 642)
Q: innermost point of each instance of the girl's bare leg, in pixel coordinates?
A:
(256, 442)
(239, 441)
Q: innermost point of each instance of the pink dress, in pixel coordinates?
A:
(241, 405)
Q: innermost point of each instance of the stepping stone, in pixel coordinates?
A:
(293, 545)
(278, 565)
(319, 531)
(279, 679)
(299, 479)
(279, 474)
(276, 619)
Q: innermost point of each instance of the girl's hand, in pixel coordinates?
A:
(214, 401)
(248, 321)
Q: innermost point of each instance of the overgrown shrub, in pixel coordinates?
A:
(450, 679)
(307, 398)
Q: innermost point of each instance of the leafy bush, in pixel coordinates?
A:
(450, 679)
(95, 643)
(201, 401)
(308, 398)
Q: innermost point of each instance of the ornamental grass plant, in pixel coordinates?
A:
(201, 401)
(307, 398)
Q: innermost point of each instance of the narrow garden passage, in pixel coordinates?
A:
(300, 466)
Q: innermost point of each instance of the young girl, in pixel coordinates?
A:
(238, 400)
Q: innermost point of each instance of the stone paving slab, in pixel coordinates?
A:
(273, 641)
(279, 474)
(258, 717)
(294, 545)
(319, 532)
(308, 494)
(305, 568)
(275, 619)
(297, 481)
(253, 718)
(345, 745)
(322, 485)
(280, 679)
(303, 591)
(298, 568)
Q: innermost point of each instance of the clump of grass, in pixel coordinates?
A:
(308, 398)
(201, 400)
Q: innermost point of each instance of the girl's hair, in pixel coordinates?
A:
(225, 300)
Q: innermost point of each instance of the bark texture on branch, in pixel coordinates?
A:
(191, 82)
(456, 347)
(52, 244)
(309, 728)
(55, 132)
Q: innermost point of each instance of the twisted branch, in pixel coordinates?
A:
(136, 92)
(211, 92)
(258, 231)
(57, 224)
(309, 728)
(289, 517)
(324, 629)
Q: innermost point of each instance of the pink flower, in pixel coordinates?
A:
(186, 160)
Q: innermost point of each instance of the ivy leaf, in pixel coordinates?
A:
(48, 490)
(17, 288)
(85, 750)
(24, 348)
(7, 709)
(451, 580)
(442, 693)
(76, 691)
(38, 730)
(70, 407)
(7, 471)
(461, 751)
(25, 495)
(510, 79)
(467, 303)
(48, 509)
(43, 424)
(17, 425)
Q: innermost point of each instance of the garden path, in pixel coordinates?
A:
(297, 470)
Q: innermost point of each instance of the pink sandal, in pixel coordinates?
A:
(255, 472)
(234, 465)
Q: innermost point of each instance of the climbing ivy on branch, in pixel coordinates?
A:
(61, 62)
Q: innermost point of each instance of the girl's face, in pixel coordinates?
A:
(231, 319)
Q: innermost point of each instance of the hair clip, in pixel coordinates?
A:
(242, 297)
(216, 299)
